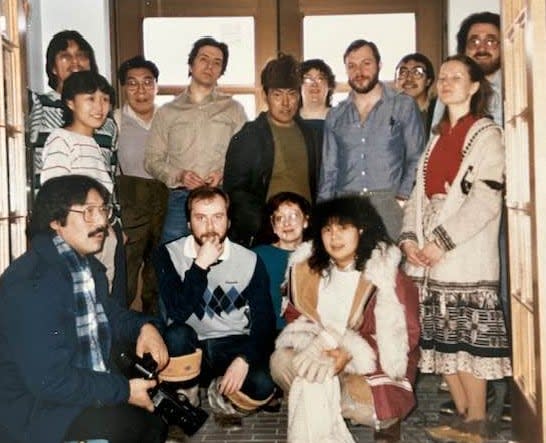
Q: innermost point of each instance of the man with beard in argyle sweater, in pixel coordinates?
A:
(215, 297)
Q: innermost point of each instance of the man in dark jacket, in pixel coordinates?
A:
(57, 327)
(274, 153)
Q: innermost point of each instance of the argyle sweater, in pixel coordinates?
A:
(230, 298)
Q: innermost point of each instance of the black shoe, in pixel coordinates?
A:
(273, 407)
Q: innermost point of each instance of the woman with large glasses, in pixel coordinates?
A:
(450, 238)
(284, 229)
(317, 86)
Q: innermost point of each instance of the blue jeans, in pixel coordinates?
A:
(218, 353)
(175, 224)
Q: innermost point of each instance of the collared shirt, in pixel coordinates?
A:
(190, 248)
(380, 153)
(192, 136)
(133, 134)
(495, 103)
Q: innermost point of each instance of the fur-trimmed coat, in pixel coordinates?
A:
(383, 327)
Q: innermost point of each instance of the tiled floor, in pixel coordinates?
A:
(271, 428)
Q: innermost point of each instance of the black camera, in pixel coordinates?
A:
(174, 408)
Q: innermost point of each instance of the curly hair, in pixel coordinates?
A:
(351, 210)
(479, 17)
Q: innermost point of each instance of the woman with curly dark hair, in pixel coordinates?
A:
(351, 346)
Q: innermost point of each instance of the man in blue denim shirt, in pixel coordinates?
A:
(372, 140)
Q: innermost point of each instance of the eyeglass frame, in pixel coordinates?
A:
(90, 218)
(488, 42)
(307, 80)
(134, 85)
(402, 72)
(290, 219)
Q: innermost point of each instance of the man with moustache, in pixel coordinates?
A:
(190, 135)
(219, 312)
(58, 326)
(372, 140)
(414, 75)
(142, 198)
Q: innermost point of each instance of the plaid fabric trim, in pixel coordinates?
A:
(92, 325)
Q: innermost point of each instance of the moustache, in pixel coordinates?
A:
(99, 230)
(482, 54)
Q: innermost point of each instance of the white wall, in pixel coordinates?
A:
(458, 10)
(47, 17)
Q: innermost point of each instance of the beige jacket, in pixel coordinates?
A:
(186, 135)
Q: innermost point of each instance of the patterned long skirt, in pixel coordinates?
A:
(462, 324)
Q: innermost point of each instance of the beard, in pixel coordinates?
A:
(367, 88)
(203, 238)
(488, 67)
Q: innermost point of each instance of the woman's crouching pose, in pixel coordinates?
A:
(350, 349)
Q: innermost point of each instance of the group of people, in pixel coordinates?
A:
(321, 253)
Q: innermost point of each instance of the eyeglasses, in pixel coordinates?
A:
(488, 42)
(286, 219)
(93, 213)
(417, 72)
(133, 85)
(308, 80)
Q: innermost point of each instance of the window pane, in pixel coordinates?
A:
(247, 100)
(327, 37)
(168, 41)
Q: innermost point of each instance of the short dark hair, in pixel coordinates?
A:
(352, 210)
(266, 234)
(467, 23)
(60, 42)
(83, 82)
(357, 44)
(282, 72)
(57, 195)
(204, 192)
(209, 41)
(321, 66)
(420, 58)
(479, 103)
(136, 62)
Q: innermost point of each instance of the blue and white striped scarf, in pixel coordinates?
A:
(92, 325)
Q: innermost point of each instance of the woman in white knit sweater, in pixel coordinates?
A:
(450, 239)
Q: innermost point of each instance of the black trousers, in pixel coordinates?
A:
(118, 424)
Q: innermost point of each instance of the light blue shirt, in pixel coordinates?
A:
(378, 154)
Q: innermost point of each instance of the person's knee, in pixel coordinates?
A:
(259, 384)
(180, 339)
(281, 366)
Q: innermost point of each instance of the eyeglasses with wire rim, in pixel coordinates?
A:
(488, 42)
(308, 80)
(93, 213)
(133, 85)
(417, 72)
